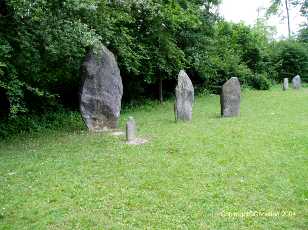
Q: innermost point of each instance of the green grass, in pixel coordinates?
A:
(190, 175)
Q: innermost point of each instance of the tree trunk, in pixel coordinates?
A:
(288, 17)
(161, 90)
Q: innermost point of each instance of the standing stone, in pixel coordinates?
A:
(230, 98)
(285, 84)
(131, 130)
(184, 98)
(296, 81)
(102, 90)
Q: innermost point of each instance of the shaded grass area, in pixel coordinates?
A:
(199, 175)
(25, 125)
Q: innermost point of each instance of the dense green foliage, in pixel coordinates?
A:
(237, 51)
(303, 34)
(43, 43)
(290, 57)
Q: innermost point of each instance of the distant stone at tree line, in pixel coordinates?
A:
(102, 90)
(230, 98)
(184, 98)
(296, 81)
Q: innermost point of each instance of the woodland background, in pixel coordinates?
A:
(43, 43)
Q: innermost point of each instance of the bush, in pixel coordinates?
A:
(261, 82)
(244, 74)
(289, 59)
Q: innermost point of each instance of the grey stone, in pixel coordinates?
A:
(184, 98)
(101, 92)
(296, 82)
(285, 85)
(230, 98)
(131, 130)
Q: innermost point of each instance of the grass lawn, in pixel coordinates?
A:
(207, 174)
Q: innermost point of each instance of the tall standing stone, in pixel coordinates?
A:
(296, 82)
(131, 129)
(184, 98)
(102, 90)
(285, 85)
(230, 98)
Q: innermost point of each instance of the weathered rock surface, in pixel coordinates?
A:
(230, 98)
(285, 85)
(184, 98)
(296, 82)
(131, 129)
(101, 92)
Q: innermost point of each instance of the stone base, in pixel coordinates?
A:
(117, 133)
(137, 141)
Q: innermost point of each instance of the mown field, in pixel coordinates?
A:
(249, 172)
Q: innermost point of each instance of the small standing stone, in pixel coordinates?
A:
(230, 98)
(184, 98)
(285, 84)
(131, 130)
(296, 81)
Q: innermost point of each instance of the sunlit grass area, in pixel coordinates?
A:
(249, 172)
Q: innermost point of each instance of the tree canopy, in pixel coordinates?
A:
(43, 43)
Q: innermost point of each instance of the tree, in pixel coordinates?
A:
(303, 7)
(277, 7)
(290, 58)
(42, 44)
(303, 34)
